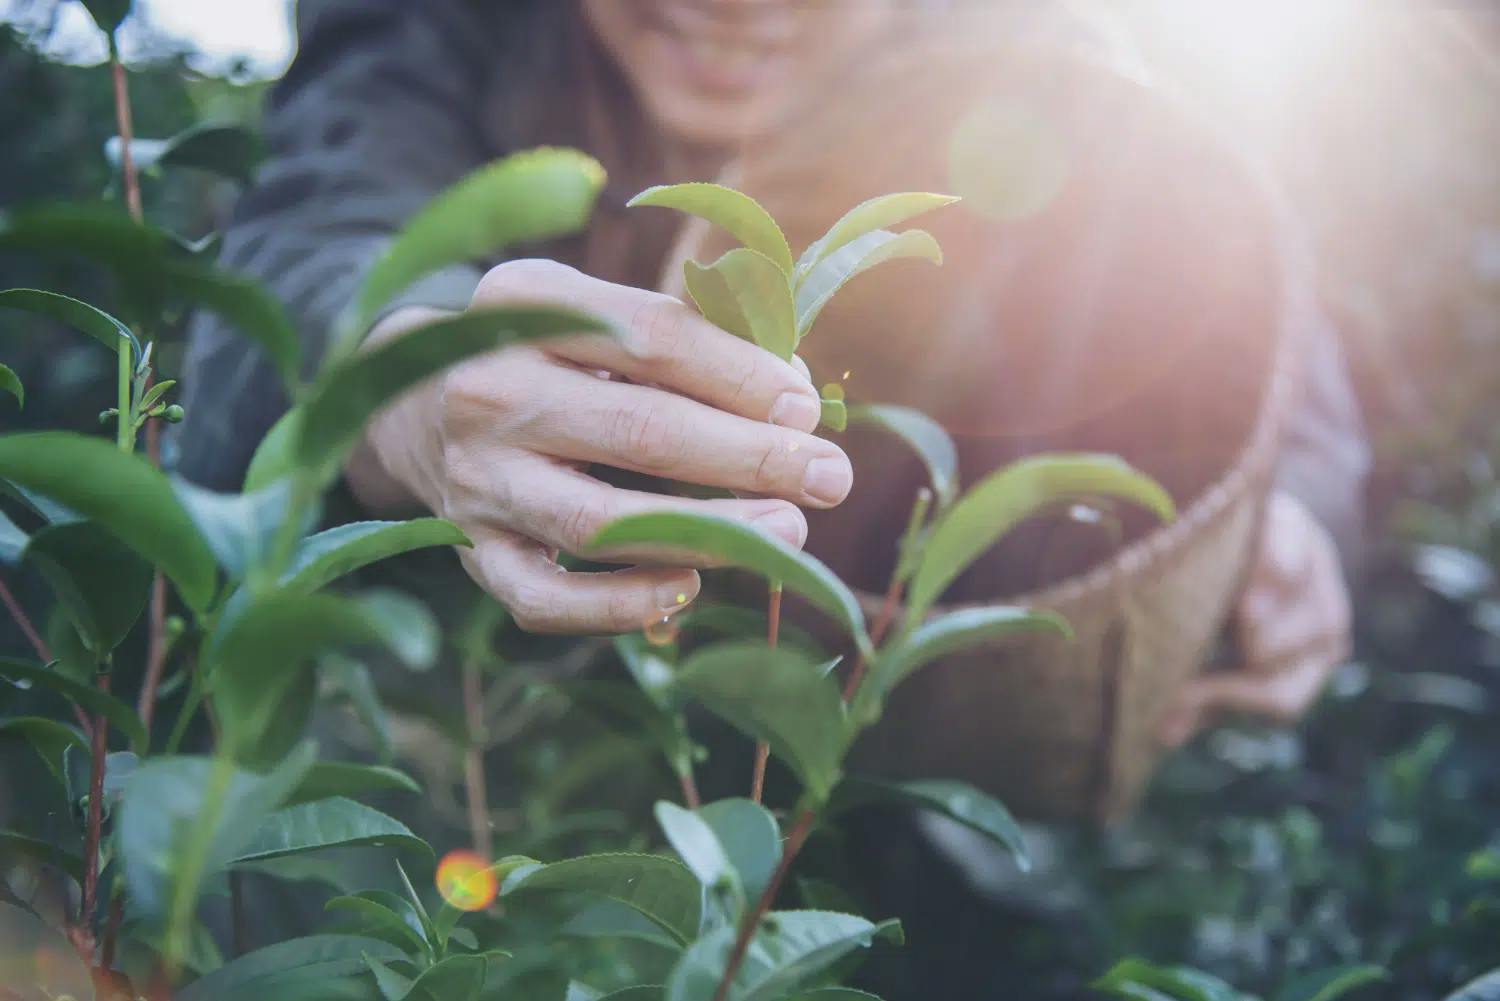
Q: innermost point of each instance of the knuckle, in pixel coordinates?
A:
(659, 329)
(533, 608)
(769, 475)
(581, 522)
(651, 435)
(525, 278)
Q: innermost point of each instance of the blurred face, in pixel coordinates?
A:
(711, 72)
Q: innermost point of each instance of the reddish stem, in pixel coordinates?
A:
(156, 635)
(762, 749)
(475, 785)
(801, 827)
(882, 625)
(128, 174)
(690, 797)
(39, 645)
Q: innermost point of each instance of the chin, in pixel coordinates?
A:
(709, 122)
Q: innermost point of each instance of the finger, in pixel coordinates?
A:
(565, 508)
(542, 597)
(664, 342)
(655, 432)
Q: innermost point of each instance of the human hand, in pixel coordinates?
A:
(500, 444)
(1292, 625)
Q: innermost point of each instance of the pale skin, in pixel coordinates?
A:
(502, 444)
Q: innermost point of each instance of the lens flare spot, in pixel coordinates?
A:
(847, 373)
(466, 880)
(661, 630)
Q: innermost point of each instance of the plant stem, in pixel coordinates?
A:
(475, 785)
(39, 645)
(801, 827)
(156, 634)
(690, 797)
(877, 633)
(132, 181)
(97, 749)
(762, 749)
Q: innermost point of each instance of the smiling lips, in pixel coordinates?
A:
(730, 51)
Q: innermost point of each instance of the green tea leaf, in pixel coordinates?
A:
(11, 383)
(405, 625)
(958, 801)
(632, 711)
(86, 697)
(248, 308)
(351, 678)
(1139, 980)
(777, 696)
(121, 492)
(1009, 496)
(326, 823)
(790, 948)
(48, 738)
(1329, 985)
(925, 436)
(742, 546)
(174, 810)
(392, 985)
(1483, 988)
(950, 633)
(12, 540)
(745, 293)
(99, 582)
(220, 148)
(79, 315)
(347, 394)
(329, 555)
(533, 195)
(456, 978)
(238, 528)
(36, 955)
(881, 212)
(640, 992)
(255, 659)
(697, 844)
(290, 968)
(739, 214)
(276, 456)
(345, 778)
(750, 838)
(660, 888)
(46, 852)
(836, 270)
(378, 918)
(834, 413)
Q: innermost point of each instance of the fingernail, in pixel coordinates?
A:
(828, 479)
(795, 410)
(671, 597)
(785, 525)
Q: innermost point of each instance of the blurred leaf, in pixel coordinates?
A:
(329, 555)
(528, 196)
(37, 960)
(86, 697)
(1009, 496)
(353, 679)
(925, 436)
(14, 845)
(176, 811)
(819, 285)
(108, 14)
(48, 737)
(121, 492)
(777, 696)
(640, 992)
(345, 778)
(275, 456)
(957, 801)
(326, 823)
(1138, 980)
(633, 712)
(349, 393)
(951, 633)
(405, 624)
(99, 582)
(79, 315)
(653, 675)
(245, 306)
(789, 948)
(12, 540)
(290, 970)
(660, 888)
(11, 383)
(750, 838)
(731, 210)
(881, 212)
(745, 293)
(1483, 988)
(1455, 574)
(742, 546)
(238, 528)
(833, 414)
(255, 659)
(607, 919)
(1329, 985)
(836, 994)
(220, 148)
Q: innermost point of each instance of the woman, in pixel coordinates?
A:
(389, 102)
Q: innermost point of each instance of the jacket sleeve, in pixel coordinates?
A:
(374, 117)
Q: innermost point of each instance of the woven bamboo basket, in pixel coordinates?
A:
(1125, 291)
